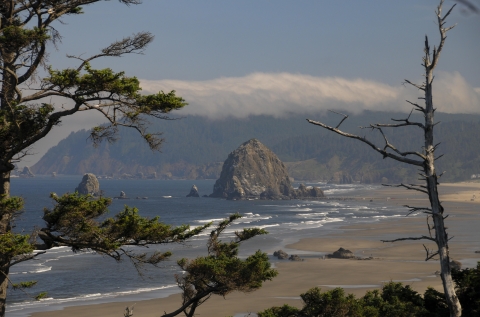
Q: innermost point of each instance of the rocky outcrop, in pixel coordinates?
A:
(26, 172)
(124, 196)
(253, 171)
(308, 192)
(341, 178)
(341, 254)
(295, 257)
(89, 185)
(280, 254)
(193, 192)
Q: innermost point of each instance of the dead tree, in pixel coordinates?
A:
(424, 160)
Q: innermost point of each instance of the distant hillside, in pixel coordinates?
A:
(195, 147)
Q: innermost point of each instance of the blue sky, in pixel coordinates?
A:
(263, 57)
(201, 40)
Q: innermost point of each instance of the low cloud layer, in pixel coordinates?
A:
(279, 94)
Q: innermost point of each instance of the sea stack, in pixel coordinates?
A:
(89, 185)
(26, 172)
(193, 192)
(254, 172)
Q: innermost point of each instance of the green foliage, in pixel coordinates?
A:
(23, 285)
(331, 303)
(76, 10)
(467, 288)
(14, 244)
(436, 303)
(221, 271)
(41, 295)
(14, 38)
(282, 311)
(94, 81)
(74, 218)
(11, 205)
(74, 222)
(161, 102)
(394, 300)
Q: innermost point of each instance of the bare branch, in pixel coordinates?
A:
(430, 255)
(414, 209)
(135, 44)
(417, 106)
(409, 187)
(26, 257)
(364, 140)
(344, 117)
(410, 238)
(421, 87)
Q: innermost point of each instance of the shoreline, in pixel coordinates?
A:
(405, 260)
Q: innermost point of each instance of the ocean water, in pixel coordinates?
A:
(87, 278)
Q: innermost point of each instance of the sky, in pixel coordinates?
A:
(241, 58)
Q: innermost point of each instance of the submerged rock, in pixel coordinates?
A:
(89, 185)
(193, 192)
(253, 171)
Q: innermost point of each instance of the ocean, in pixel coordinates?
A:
(85, 278)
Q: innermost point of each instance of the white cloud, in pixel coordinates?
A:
(452, 94)
(279, 94)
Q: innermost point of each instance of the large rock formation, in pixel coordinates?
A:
(307, 192)
(193, 192)
(280, 254)
(254, 171)
(89, 185)
(26, 172)
(342, 254)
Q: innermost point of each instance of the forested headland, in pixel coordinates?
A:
(195, 148)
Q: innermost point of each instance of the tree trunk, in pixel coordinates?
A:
(5, 227)
(5, 184)
(441, 237)
(3, 286)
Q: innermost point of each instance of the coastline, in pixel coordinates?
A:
(400, 261)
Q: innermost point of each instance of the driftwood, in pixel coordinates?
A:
(425, 160)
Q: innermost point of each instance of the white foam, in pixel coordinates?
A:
(409, 280)
(317, 214)
(210, 220)
(267, 226)
(85, 297)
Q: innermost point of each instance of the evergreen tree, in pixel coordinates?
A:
(26, 31)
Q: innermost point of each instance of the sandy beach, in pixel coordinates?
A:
(400, 261)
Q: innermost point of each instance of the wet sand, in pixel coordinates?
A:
(399, 261)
